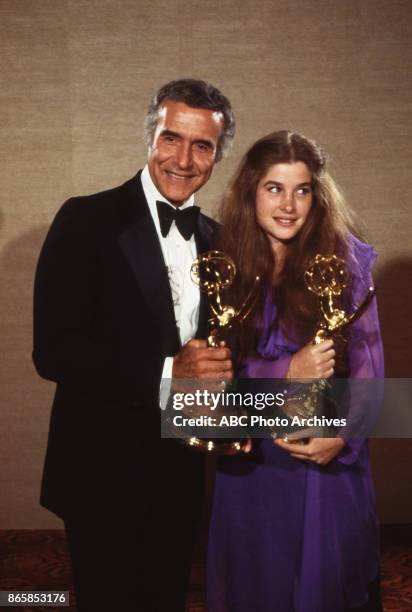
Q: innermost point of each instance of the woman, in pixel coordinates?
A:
(293, 527)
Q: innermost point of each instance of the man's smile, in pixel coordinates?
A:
(178, 177)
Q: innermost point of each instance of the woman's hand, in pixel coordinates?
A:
(318, 450)
(313, 361)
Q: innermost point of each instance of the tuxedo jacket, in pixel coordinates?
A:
(103, 324)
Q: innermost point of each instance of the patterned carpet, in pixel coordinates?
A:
(32, 560)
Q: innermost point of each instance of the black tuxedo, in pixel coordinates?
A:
(103, 324)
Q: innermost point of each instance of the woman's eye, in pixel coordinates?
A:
(303, 190)
(274, 189)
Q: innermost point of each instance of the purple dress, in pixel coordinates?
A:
(288, 535)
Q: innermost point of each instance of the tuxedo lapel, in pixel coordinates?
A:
(140, 245)
(204, 233)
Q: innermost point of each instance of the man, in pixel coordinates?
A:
(114, 312)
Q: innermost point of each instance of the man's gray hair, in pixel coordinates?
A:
(196, 94)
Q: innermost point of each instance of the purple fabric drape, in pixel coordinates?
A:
(291, 536)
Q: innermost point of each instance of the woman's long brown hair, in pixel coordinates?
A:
(325, 231)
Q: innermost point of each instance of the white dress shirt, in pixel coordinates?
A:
(178, 255)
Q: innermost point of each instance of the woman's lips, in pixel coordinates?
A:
(284, 222)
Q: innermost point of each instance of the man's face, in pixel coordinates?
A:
(183, 151)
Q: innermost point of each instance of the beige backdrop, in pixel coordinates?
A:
(77, 78)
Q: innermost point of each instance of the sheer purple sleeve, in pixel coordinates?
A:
(365, 363)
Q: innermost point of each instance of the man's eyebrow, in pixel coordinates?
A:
(170, 133)
(203, 141)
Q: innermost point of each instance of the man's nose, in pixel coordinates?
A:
(184, 155)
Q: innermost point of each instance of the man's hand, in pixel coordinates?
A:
(318, 450)
(197, 360)
(313, 361)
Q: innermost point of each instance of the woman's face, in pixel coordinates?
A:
(283, 201)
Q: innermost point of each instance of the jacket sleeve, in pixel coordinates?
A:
(67, 348)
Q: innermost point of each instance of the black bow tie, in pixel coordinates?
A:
(185, 219)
